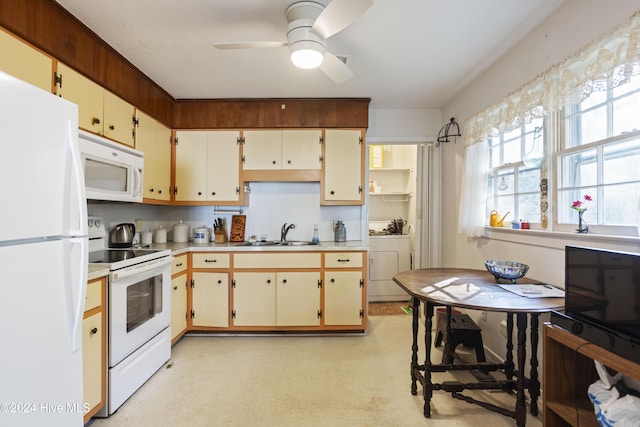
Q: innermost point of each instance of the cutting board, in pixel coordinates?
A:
(238, 223)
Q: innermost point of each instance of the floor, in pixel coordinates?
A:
(360, 380)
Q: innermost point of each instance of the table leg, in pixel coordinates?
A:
(534, 383)
(414, 346)
(508, 364)
(427, 387)
(521, 407)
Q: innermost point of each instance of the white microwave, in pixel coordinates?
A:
(111, 170)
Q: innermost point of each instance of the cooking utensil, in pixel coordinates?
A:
(121, 236)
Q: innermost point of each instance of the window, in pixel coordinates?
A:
(513, 184)
(600, 156)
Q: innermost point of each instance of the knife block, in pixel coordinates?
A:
(220, 236)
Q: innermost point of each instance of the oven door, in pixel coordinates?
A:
(139, 306)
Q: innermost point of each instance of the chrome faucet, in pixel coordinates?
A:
(284, 230)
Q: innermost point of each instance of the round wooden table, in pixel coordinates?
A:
(476, 290)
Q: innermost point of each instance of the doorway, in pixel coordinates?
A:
(403, 189)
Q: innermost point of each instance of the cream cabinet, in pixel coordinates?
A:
(154, 140)
(343, 167)
(282, 149)
(209, 291)
(344, 289)
(254, 299)
(281, 290)
(25, 62)
(94, 348)
(207, 167)
(99, 111)
(178, 297)
(210, 299)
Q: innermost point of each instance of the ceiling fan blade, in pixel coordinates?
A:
(335, 69)
(338, 15)
(249, 45)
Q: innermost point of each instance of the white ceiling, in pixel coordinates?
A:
(404, 53)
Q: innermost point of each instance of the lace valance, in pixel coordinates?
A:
(608, 61)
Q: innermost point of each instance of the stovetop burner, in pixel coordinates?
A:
(116, 255)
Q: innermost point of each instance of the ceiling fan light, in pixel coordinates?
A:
(306, 54)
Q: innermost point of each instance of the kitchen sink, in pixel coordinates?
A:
(268, 243)
(297, 243)
(280, 243)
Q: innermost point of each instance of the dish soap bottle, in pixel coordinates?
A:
(315, 234)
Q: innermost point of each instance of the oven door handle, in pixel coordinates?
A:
(141, 268)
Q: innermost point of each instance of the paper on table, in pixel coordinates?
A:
(531, 290)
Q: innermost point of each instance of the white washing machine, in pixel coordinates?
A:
(388, 256)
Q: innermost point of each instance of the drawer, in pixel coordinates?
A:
(277, 260)
(209, 260)
(343, 259)
(94, 295)
(179, 264)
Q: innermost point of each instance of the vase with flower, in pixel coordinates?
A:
(579, 205)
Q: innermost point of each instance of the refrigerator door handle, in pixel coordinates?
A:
(78, 186)
(76, 287)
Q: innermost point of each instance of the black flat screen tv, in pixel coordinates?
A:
(602, 288)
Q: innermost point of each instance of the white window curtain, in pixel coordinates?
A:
(610, 60)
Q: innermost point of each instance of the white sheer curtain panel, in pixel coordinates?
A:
(473, 198)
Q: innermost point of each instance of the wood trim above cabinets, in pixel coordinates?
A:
(272, 113)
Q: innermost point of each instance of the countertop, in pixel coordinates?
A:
(180, 248)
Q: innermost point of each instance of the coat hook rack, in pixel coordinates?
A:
(448, 131)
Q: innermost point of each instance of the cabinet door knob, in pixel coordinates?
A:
(175, 288)
(289, 161)
(274, 162)
(95, 121)
(219, 281)
(284, 280)
(94, 331)
(333, 280)
(112, 127)
(268, 280)
(333, 192)
(199, 193)
(151, 190)
(213, 193)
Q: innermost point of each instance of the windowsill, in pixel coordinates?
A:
(559, 239)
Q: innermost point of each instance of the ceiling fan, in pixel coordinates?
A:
(310, 24)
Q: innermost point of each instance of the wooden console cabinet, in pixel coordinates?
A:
(568, 372)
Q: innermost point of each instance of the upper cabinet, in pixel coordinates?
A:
(343, 176)
(207, 167)
(99, 111)
(24, 62)
(154, 140)
(282, 149)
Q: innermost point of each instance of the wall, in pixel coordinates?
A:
(272, 204)
(575, 24)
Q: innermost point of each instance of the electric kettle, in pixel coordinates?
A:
(121, 236)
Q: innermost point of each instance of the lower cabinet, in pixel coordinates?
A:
(94, 348)
(273, 291)
(178, 297)
(209, 290)
(210, 299)
(343, 298)
(344, 289)
(285, 298)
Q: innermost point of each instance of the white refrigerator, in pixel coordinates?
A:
(43, 258)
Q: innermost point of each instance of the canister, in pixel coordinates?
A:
(146, 237)
(339, 232)
(161, 235)
(181, 232)
(200, 234)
